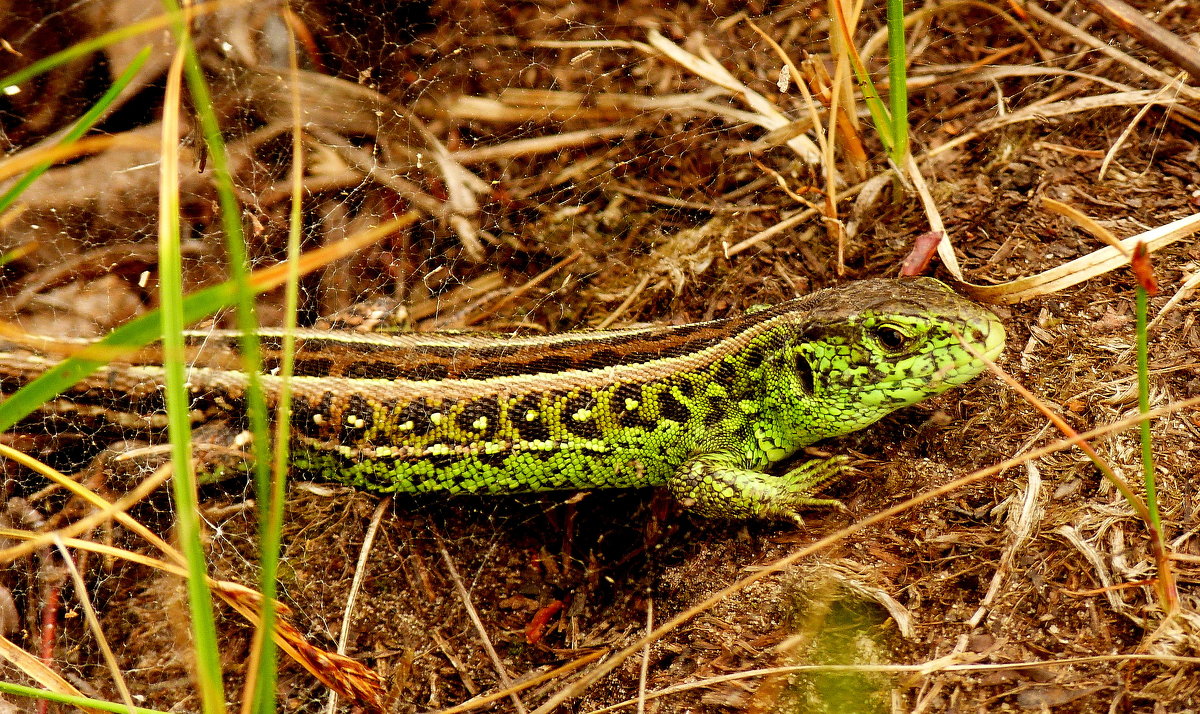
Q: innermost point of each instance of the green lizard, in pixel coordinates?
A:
(703, 408)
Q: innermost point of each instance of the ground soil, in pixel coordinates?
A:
(1033, 567)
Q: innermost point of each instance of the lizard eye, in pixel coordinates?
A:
(891, 338)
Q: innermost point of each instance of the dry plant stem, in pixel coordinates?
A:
(616, 314)
(1146, 31)
(765, 114)
(763, 235)
(945, 247)
(1168, 592)
(1042, 112)
(26, 160)
(1180, 295)
(1095, 43)
(810, 104)
(1110, 588)
(483, 701)
(465, 596)
(1129, 127)
(876, 42)
(360, 570)
(94, 622)
(1100, 564)
(641, 698)
(1087, 223)
(822, 543)
(104, 513)
(540, 144)
(464, 672)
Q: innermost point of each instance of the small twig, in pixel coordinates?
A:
(360, 570)
(89, 613)
(1021, 528)
(480, 702)
(1110, 588)
(1129, 127)
(479, 628)
(540, 144)
(1170, 595)
(1148, 32)
(641, 698)
(896, 669)
(1099, 45)
(464, 672)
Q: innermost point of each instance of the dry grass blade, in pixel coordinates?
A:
(26, 160)
(1150, 33)
(766, 114)
(465, 597)
(485, 700)
(1096, 43)
(350, 678)
(540, 144)
(1042, 112)
(1089, 266)
(360, 570)
(924, 668)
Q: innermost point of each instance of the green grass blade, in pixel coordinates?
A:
(81, 127)
(271, 526)
(898, 82)
(239, 269)
(209, 678)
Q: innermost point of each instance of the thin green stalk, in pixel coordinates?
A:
(81, 126)
(178, 403)
(84, 703)
(898, 86)
(1143, 368)
(271, 527)
(235, 244)
(239, 269)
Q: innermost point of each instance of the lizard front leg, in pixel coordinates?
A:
(715, 484)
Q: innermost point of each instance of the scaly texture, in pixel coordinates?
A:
(703, 408)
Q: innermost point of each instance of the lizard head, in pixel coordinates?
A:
(865, 349)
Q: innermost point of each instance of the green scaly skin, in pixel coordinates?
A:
(704, 409)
